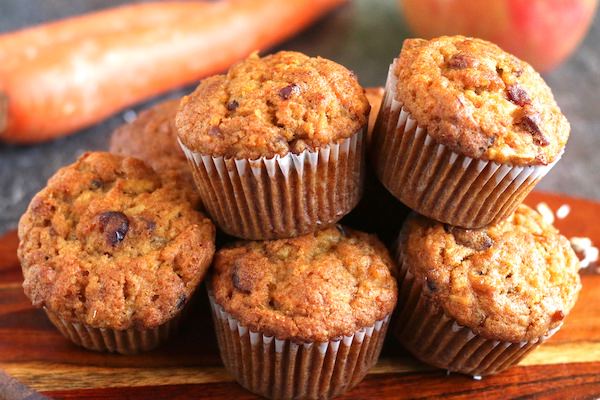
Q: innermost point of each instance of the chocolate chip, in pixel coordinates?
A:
(215, 131)
(96, 183)
(286, 92)
(531, 123)
(180, 302)
(518, 95)
(461, 61)
(431, 285)
(114, 225)
(342, 230)
(232, 105)
(476, 239)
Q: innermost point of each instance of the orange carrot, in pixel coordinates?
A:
(62, 76)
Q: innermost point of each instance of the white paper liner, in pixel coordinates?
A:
(284, 369)
(438, 182)
(436, 339)
(282, 196)
(127, 341)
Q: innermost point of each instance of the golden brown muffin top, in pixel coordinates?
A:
(281, 103)
(513, 281)
(152, 138)
(480, 101)
(311, 288)
(107, 244)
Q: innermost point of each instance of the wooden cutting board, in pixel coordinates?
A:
(32, 351)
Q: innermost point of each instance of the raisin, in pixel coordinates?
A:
(531, 123)
(286, 92)
(518, 95)
(114, 225)
(232, 105)
(215, 131)
(558, 316)
(461, 61)
(240, 280)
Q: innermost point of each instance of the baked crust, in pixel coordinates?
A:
(513, 281)
(312, 288)
(107, 244)
(281, 103)
(480, 101)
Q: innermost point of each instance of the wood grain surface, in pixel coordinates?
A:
(34, 353)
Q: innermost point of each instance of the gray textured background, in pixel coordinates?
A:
(364, 36)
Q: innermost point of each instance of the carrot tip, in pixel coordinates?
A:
(3, 112)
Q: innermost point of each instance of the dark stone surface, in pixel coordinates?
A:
(364, 36)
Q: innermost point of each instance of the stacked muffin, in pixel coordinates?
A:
(277, 149)
(464, 133)
(114, 247)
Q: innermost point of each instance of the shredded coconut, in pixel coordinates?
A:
(546, 212)
(563, 211)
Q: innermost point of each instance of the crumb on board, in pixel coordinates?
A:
(563, 211)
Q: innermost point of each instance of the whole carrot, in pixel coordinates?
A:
(62, 76)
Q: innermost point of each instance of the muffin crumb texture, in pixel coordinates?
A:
(480, 101)
(513, 281)
(312, 288)
(281, 103)
(107, 244)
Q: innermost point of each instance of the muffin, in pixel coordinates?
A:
(477, 301)
(303, 317)
(152, 138)
(111, 254)
(276, 144)
(465, 130)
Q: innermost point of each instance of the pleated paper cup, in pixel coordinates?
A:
(125, 341)
(282, 196)
(283, 369)
(438, 182)
(430, 335)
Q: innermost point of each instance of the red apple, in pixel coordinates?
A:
(541, 32)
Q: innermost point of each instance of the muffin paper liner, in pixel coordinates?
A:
(126, 341)
(436, 339)
(438, 182)
(282, 196)
(283, 369)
